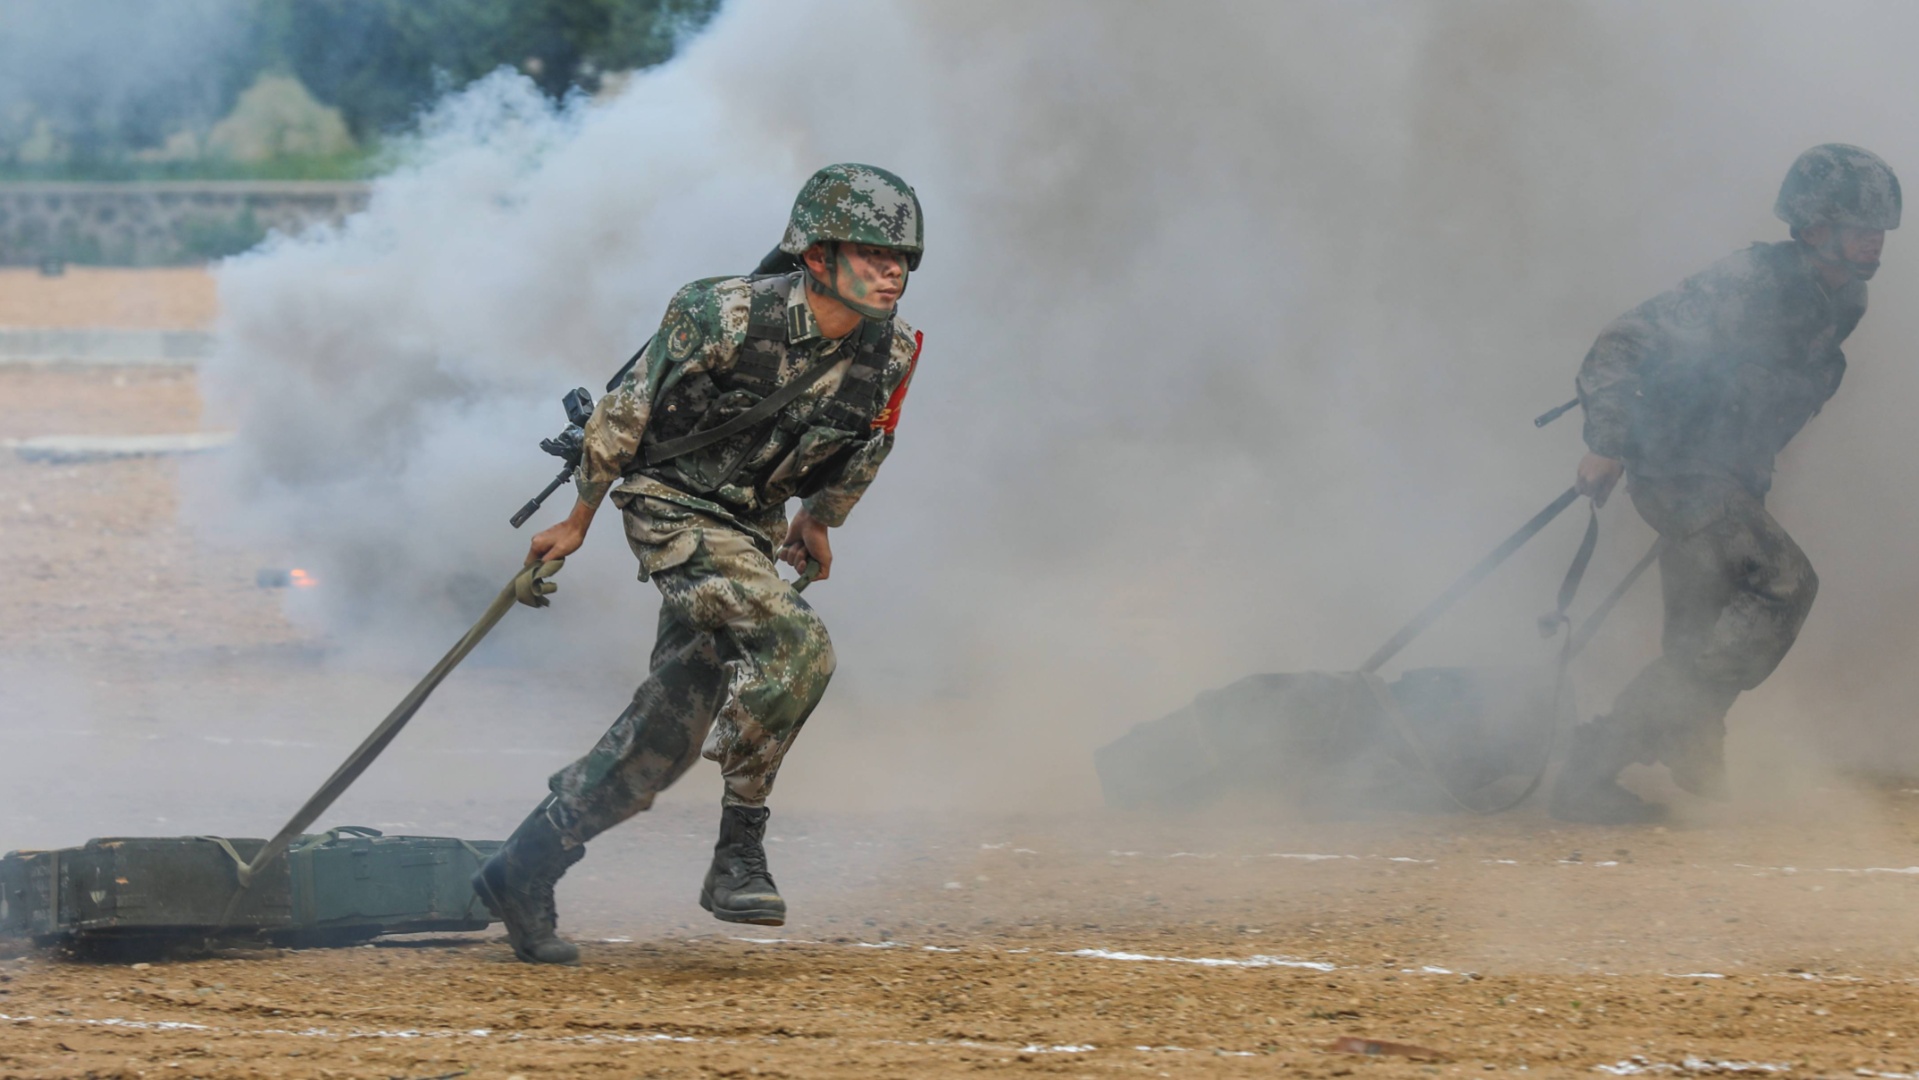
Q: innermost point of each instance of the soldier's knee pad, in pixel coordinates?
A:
(817, 656)
(1805, 588)
(1780, 571)
(810, 671)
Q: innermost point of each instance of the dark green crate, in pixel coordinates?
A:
(348, 884)
(26, 892)
(360, 880)
(140, 884)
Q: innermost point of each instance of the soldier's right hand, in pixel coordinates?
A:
(1596, 477)
(559, 541)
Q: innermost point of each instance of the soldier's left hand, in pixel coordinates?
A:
(806, 538)
(1596, 476)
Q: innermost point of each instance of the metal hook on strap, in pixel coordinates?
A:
(530, 587)
(241, 868)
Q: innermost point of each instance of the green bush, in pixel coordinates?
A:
(204, 237)
(355, 166)
(134, 89)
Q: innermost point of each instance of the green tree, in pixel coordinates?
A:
(89, 86)
(380, 61)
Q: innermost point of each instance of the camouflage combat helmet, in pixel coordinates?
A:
(1837, 184)
(860, 204)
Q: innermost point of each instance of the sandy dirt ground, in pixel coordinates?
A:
(93, 297)
(149, 687)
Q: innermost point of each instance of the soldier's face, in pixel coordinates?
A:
(1861, 249)
(872, 275)
(1856, 251)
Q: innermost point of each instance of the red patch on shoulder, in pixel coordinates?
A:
(889, 418)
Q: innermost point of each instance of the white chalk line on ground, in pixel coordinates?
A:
(1320, 857)
(1904, 870)
(137, 1025)
(589, 1038)
(1204, 961)
(1640, 1066)
(1260, 961)
(1090, 954)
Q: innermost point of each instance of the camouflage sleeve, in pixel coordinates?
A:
(619, 420)
(833, 502)
(687, 340)
(1687, 324)
(1609, 378)
(1852, 304)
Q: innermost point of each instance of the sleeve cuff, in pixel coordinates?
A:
(592, 491)
(825, 512)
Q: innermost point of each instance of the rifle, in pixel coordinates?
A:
(1555, 413)
(568, 446)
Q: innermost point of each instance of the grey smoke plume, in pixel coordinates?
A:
(1236, 316)
(99, 78)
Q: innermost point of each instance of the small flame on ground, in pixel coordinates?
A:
(300, 579)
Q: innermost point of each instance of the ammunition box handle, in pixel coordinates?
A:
(360, 831)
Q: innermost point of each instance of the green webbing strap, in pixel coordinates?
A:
(1584, 635)
(1465, 584)
(660, 453)
(228, 848)
(1549, 624)
(530, 587)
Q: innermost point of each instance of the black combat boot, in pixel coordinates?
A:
(1587, 789)
(739, 888)
(1703, 773)
(1696, 752)
(516, 885)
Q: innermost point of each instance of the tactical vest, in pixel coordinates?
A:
(1732, 412)
(739, 471)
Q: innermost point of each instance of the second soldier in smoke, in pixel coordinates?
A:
(1692, 395)
(755, 390)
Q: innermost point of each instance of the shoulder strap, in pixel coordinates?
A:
(660, 453)
(619, 376)
(763, 319)
(766, 311)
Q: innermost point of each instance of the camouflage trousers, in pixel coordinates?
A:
(739, 662)
(1737, 590)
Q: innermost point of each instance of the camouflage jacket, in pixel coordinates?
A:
(1714, 377)
(725, 344)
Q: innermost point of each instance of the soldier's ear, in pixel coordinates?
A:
(818, 258)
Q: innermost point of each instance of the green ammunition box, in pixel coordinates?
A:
(26, 893)
(356, 881)
(133, 885)
(344, 885)
(1327, 742)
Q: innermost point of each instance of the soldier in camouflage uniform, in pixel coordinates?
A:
(702, 472)
(1691, 395)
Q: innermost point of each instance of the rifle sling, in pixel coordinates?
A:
(660, 453)
(619, 376)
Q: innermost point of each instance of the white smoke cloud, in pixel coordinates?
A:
(1236, 314)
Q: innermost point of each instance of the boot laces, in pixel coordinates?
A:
(545, 908)
(536, 887)
(751, 858)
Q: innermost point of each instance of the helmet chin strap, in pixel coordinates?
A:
(865, 310)
(1833, 254)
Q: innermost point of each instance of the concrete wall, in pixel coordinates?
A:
(160, 223)
(167, 348)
